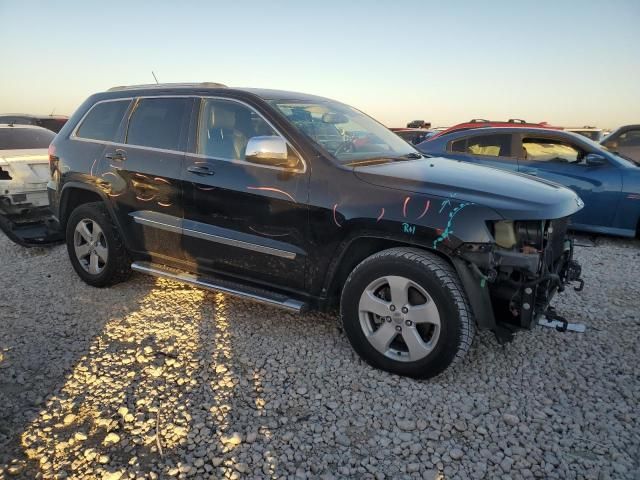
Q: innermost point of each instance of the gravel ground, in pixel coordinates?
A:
(153, 379)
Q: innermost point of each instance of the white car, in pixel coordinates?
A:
(24, 173)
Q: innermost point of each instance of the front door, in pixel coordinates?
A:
(242, 219)
(563, 161)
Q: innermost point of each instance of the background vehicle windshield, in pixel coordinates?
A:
(16, 138)
(346, 133)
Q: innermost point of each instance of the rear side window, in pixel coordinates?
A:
(103, 121)
(485, 145)
(16, 138)
(157, 122)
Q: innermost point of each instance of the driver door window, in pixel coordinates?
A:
(543, 150)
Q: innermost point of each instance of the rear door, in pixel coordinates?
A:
(143, 171)
(243, 219)
(562, 160)
(491, 150)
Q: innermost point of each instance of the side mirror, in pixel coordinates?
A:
(595, 159)
(610, 144)
(269, 150)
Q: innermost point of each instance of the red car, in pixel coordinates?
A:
(480, 122)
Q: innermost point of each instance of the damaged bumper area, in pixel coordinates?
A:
(25, 216)
(32, 227)
(514, 281)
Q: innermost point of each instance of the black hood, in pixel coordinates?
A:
(512, 195)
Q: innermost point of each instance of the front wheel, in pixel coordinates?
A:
(405, 311)
(95, 247)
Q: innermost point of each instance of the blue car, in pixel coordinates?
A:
(607, 182)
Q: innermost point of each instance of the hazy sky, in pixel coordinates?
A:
(566, 62)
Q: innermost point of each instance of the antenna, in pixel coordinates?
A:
(52, 111)
(154, 77)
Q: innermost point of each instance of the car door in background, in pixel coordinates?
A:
(564, 161)
(144, 170)
(491, 150)
(627, 143)
(243, 219)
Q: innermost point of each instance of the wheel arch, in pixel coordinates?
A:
(75, 194)
(361, 247)
(353, 251)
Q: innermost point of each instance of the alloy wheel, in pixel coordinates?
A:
(399, 318)
(90, 245)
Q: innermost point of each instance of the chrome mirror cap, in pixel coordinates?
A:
(270, 150)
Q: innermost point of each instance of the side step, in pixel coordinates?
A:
(219, 285)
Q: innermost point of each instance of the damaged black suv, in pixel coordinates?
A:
(303, 202)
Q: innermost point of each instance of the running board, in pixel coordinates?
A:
(218, 285)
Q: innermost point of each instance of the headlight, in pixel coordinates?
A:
(505, 234)
(522, 234)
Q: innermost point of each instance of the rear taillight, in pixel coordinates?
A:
(53, 160)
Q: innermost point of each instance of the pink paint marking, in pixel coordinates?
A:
(426, 209)
(404, 207)
(272, 189)
(381, 215)
(334, 215)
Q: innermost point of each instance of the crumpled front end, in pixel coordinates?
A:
(520, 274)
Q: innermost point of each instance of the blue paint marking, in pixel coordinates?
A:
(406, 228)
(444, 204)
(448, 230)
(447, 202)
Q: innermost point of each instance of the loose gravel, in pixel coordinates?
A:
(153, 379)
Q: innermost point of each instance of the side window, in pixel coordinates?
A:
(490, 145)
(550, 150)
(158, 122)
(225, 128)
(459, 146)
(103, 121)
(630, 138)
(486, 145)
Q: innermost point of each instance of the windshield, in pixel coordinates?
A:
(346, 133)
(16, 138)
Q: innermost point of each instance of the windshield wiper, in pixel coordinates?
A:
(379, 160)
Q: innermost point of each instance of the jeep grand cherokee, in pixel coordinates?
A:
(304, 202)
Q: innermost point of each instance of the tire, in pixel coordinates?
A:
(101, 240)
(437, 323)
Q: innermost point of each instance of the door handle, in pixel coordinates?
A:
(533, 173)
(119, 155)
(200, 170)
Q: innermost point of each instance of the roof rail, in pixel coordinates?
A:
(168, 85)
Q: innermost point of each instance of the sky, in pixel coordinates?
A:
(569, 63)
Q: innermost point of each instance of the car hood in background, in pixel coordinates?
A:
(514, 196)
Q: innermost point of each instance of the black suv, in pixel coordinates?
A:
(303, 202)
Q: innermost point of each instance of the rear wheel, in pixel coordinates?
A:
(95, 247)
(404, 311)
